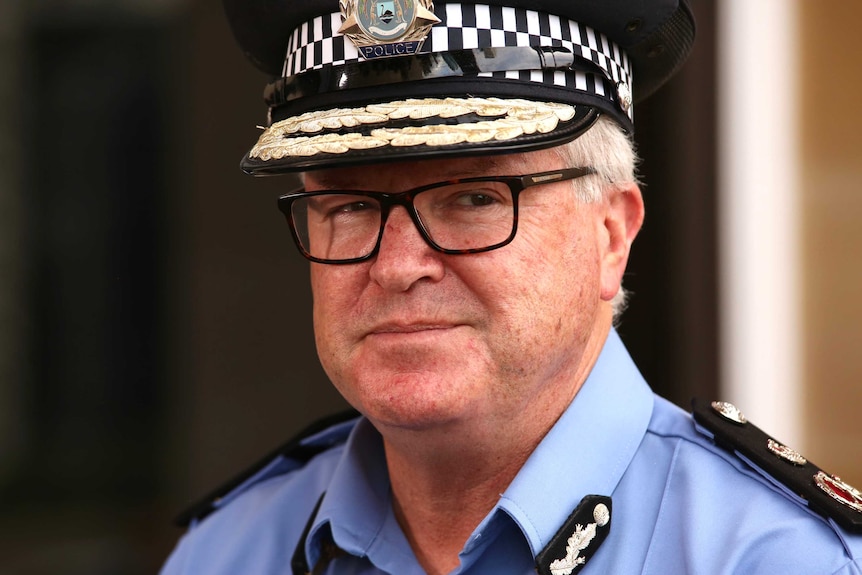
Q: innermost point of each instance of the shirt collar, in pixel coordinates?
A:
(586, 452)
(357, 500)
(588, 449)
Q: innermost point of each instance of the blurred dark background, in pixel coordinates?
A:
(156, 322)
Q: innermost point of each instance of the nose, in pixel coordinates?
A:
(404, 257)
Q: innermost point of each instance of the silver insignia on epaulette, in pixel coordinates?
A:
(839, 490)
(729, 411)
(785, 452)
(580, 540)
(601, 514)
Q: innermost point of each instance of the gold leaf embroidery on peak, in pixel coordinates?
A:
(317, 132)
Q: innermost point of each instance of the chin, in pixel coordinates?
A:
(412, 401)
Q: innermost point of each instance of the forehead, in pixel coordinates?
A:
(423, 171)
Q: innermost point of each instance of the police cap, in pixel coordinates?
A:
(360, 81)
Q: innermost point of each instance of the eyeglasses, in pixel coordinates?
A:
(461, 216)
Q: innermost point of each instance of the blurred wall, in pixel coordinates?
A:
(831, 208)
(85, 165)
(789, 206)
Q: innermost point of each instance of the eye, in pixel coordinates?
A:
(475, 199)
(467, 196)
(331, 206)
(347, 207)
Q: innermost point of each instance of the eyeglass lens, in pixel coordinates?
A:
(464, 216)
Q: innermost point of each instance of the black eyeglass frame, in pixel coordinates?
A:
(516, 185)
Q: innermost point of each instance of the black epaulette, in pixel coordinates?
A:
(293, 449)
(824, 494)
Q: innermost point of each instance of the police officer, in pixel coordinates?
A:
(468, 207)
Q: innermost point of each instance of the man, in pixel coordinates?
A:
(468, 207)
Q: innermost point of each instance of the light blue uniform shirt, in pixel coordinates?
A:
(680, 504)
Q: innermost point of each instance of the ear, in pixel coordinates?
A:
(624, 216)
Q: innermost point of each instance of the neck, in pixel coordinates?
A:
(446, 480)
(439, 503)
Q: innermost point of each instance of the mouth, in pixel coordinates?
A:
(410, 328)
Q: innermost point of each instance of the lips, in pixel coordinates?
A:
(408, 328)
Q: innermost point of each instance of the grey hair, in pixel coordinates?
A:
(607, 148)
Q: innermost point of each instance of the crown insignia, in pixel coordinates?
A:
(381, 28)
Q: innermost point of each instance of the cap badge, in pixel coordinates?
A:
(785, 453)
(729, 412)
(382, 28)
(839, 490)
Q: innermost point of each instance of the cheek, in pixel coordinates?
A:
(333, 286)
(557, 274)
(321, 301)
(335, 293)
(565, 250)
